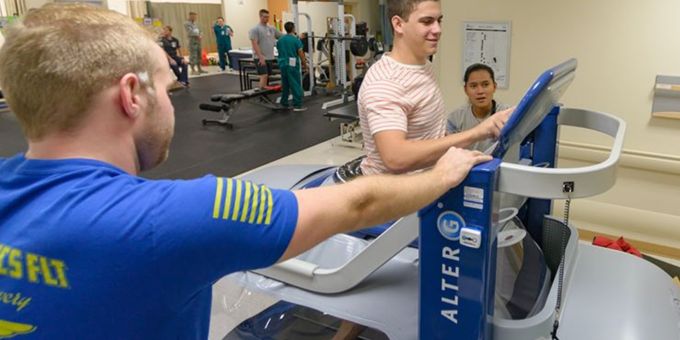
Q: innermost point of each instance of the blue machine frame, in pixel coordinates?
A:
(458, 231)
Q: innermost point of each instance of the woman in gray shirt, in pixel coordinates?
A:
(480, 86)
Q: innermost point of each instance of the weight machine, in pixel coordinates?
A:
(337, 34)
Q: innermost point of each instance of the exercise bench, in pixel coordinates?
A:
(350, 131)
(229, 103)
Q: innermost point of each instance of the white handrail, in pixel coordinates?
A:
(588, 181)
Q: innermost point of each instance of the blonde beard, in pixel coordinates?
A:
(153, 147)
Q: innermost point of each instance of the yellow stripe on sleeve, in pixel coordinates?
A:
(270, 204)
(246, 203)
(218, 198)
(237, 201)
(256, 199)
(227, 199)
(263, 202)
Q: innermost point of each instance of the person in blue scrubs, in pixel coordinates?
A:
(91, 250)
(223, 34)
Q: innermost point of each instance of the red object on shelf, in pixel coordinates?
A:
(620, 245)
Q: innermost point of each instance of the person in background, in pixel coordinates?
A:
(479, 84)
(263, 38)
(223, 34)
(194, 34)
(290, 58)
(177, 63)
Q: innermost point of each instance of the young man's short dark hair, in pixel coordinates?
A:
(220, 18)
(402, 8)
(192, 13)
(263, 12)
(289, 27)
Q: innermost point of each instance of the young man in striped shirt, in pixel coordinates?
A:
(401, 109)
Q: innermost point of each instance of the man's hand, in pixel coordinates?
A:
(261, 61)
(371, 200)
(491, 127)
(172, 62)
(455, 164)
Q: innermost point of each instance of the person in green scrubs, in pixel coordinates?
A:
(223, 34)
(290, 58)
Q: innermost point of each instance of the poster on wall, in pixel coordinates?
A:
(488, 43)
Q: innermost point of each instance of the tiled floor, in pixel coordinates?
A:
(327, 153)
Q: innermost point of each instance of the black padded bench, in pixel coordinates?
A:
(350, 132)
(228, 103)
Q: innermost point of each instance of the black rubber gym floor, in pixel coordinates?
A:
(259, 135)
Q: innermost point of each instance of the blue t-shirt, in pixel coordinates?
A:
(88, 251)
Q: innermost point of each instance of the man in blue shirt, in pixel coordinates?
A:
(223, 34)
(89, 250)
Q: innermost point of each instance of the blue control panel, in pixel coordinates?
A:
(541, 97)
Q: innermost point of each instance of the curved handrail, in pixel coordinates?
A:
(588, 181)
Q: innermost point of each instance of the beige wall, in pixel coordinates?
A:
(621, 45)
(119, 6)
(318, 11)
(242, 17)
(36, 3)
(368, 11)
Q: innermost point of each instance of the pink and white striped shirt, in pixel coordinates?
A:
(396, 96)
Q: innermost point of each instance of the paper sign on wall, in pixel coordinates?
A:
(488, 43)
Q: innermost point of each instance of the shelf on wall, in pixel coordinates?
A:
(668, 115)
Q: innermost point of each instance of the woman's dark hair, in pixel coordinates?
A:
(478, 67)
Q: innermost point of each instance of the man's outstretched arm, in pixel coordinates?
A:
(403, 155)
(370, 200)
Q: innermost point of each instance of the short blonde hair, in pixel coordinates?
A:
(57, 58)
